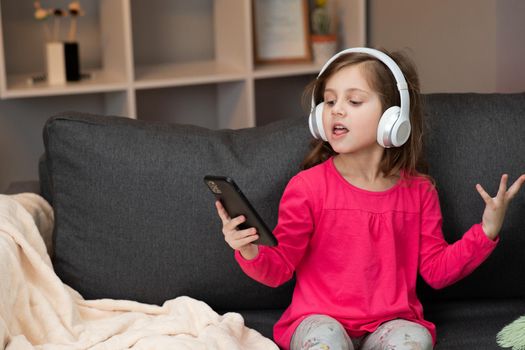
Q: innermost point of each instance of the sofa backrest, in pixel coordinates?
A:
(134, 219)
(475, 138)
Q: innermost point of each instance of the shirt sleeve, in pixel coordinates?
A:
(274, 266)
(442, 264)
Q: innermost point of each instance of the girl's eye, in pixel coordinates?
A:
(330, 102)
(355, 103)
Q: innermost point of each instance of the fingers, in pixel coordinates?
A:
(502, 186)
(239, 238)
(245, 241)
(227, 222)
(233, 223)
(222, 212)
(486, 197)
(503, 193)
(234, 237)
(242, 238)
(515, 187)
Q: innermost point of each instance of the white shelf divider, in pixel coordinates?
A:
(232, 106)
(231, 24)
(18, 86)
(191, 73)
(116, 38)
(131, 109)
(283, 70)
(3, 73)
(115, 103)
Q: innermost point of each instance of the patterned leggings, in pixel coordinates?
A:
(320, 332)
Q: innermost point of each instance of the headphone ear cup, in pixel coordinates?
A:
(400, 133)
(316, 122)
(319, 118)
(386, 126)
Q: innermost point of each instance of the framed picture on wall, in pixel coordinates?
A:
(281, 31)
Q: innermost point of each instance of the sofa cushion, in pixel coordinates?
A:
(475, 138)
(460, 325)
(134, 219)
(472, 324)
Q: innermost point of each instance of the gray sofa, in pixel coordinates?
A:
(134, 219)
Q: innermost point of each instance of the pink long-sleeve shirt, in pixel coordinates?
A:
(356, 253)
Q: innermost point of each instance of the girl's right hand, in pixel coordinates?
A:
(240, 240)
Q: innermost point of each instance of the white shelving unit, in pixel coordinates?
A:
(174, 60)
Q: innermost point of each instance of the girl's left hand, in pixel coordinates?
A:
(496, 207)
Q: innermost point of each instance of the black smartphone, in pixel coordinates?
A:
(235, 202)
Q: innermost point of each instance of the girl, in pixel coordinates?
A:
(359, 223)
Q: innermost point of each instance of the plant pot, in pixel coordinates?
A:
(62, 62)
(323, 47)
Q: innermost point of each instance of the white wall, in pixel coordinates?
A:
(458, 46)
(510, 75)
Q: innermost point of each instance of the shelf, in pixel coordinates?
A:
(100, 81)
(180, 74)
(284, 70)
(172, 31)
(214, 106)
(280, 98)
(105, 103)
(143, 55)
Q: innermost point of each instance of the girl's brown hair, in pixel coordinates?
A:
(408, 157)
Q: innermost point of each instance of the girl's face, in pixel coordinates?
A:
(351, 112)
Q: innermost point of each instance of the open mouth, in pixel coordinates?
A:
(339, 129)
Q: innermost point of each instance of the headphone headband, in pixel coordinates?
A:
(387, 60)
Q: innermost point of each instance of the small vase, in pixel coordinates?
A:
(323, 47)
(55, 63)
(72, 61)
(62, 62)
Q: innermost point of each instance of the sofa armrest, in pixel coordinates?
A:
(32, 186)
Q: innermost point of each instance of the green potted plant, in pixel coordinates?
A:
(323, 38)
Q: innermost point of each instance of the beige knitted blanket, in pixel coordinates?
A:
(38, 311)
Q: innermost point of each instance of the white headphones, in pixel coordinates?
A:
(394, 126)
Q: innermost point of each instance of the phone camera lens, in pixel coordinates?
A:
(214, 188)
